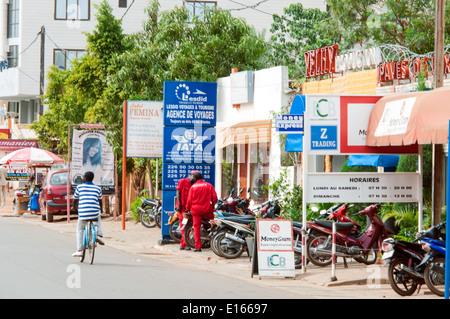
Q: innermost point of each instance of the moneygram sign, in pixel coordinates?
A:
(275, 248)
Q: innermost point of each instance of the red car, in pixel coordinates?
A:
(53, 198)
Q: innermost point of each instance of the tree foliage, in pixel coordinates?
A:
(409, 23)
(293, 33)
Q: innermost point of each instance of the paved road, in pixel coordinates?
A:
(36, 263)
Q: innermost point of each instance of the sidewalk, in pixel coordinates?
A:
(370, 281)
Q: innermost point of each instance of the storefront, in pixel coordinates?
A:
(247, 146)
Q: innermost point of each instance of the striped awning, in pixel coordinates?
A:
(243, 133)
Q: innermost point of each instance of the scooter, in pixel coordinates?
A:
(361, 248)
(150, 212)
(406, 270)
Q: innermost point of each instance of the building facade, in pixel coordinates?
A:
(65, 22)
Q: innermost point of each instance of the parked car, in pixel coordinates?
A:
(53, 199)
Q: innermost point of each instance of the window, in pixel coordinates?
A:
(13, 56)
(63, 58)
(13, 19)
(122, 3)
(198, 8)
(72, 9)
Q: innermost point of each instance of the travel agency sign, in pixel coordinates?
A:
(189, 140)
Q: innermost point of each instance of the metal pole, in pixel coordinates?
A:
(333, 253)
(447, 239)
(124, 162)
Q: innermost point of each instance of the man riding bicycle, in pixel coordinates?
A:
(88, 202)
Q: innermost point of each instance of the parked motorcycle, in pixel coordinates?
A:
(174, 226)
(406, 261)
(362, 249)
(434, 273)
(230, 238)
(150, 212)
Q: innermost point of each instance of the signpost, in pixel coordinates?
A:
(189, 138)
(275, 248)
(337, 125)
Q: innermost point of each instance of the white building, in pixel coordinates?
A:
(248, 151)
(65, 22)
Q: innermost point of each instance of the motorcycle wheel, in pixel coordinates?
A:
(298, 245)
(189, 236)
(147, 219)
(435, 281)
(401, 282)
(214, 243)
(158, 217)
(174, 231)
(370, 258)
(228, 248)
(311, 246)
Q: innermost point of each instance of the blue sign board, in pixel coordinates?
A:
(173, 172)
(324, 137)
(189, 144)
(190, 103)
(289, 123)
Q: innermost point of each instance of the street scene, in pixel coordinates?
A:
(224, 151)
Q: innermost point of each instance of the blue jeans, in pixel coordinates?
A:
(80, 229)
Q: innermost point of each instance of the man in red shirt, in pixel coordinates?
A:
(183, 187)
(201, 200)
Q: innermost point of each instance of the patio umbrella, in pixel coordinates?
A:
(31, 156)
(409, 118)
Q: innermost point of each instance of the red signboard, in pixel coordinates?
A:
(12, 145)
(321, 61)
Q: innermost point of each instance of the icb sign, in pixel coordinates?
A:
(189, 144)
(190, 103)
(275, 248)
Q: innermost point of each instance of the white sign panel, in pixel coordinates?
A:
(144, 129)
(395, 117)
(362, 187)
(275, 248)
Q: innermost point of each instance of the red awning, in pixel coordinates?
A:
(409, 118)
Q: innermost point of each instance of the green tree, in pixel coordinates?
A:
(294, 33)
(409, 23)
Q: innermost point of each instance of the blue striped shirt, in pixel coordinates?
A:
(88, 195)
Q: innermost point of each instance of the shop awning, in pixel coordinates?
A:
(409, 118)
(243, 133)
(294, 142)
(373, 160)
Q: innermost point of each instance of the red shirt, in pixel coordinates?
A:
(183, 186)
(202, 198)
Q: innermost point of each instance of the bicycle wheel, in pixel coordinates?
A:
(91, 244)
(85, 243)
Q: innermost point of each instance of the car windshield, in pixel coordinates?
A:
(59, 179)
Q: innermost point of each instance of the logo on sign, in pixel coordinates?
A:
(190, 141)
(274, 228)
(276, 261)
(182, 92)
(325, 108)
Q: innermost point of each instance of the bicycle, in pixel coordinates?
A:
(89, 240)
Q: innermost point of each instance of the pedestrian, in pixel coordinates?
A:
(88, 203)
(183, 187)
(201, 200)
(3, 183)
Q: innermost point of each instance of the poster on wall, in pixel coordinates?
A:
(91, 152)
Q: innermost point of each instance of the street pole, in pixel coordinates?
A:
(42, 71)
(437, 179)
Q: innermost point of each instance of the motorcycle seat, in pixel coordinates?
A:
(297, 224)
(339, 226)
(149, 201)
(242, 220)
